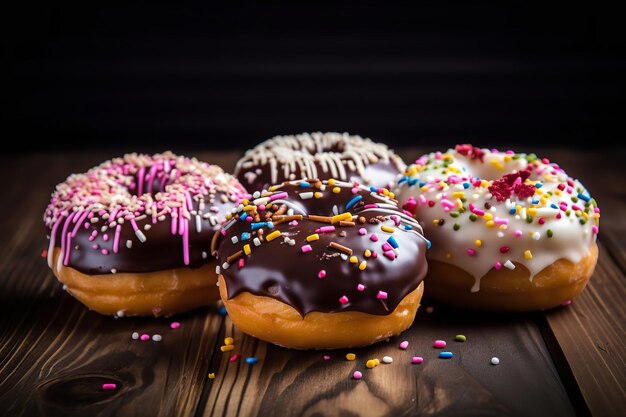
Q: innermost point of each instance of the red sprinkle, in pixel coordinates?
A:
(470, 151)
(44, 253)
(234, 357)
(504, 249)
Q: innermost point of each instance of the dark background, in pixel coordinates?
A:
(152, 75)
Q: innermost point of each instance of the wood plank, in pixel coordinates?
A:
(590, 333)
(289, 382)
(55, 354)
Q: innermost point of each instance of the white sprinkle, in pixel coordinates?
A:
(234, 239)
(256, 194)
(290, 212)
(256, 241)
(140, 235)
(147, 226)
(103, 229)
(198, 224)
(161, 218)
(500, 233)
(306, 196)
(157, 337)
(387, 359)
(225, 265)
(510, 265)
(204, 255)
(217, 269)
(135, 336)
(94, 220)
(536, 235)
(495, 361)
(120, 313)
(129, 244)
(344, 256)
(113, 270)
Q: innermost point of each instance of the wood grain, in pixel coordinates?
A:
(55, 354)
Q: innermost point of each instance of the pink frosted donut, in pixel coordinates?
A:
(509, 231)
(132, 235)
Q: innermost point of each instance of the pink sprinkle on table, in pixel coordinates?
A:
(145, 337)
(439, 344)
(357, 375)
(417, 359)
(404, 344)
(175, 325)
(109, 386)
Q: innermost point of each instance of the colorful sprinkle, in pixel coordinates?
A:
(404, 344)
(439, 344)
(306, 248)
(234, 357)
(322, 273)
(446, 355)
(350, 356)
(144, 337)
(460, 338)
(357, 375)
(382, 295)
(251, 360)
(495, 361)
(343, 300)
(212, 375)
(229, 341)
(109, 386)
(273, 235)
(417, 359)
(387, 359)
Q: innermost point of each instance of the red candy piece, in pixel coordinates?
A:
(470, 151)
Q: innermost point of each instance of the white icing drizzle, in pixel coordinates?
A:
(296, 156)
(562, 224)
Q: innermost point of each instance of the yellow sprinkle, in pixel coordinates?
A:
(272, 235)
(211, 375)
(497, 164)
(385, 191)
(518, 208)
(392, 195)
(370, 364)
(350, 356)
(249, 208)
(507, 158)
(354, 259)
(596, 216)
(458, 194)
(331, 181)
(448, 255)
(376, 361)
(336, 190)
(531, 211)
(317, 194)
(490, 223)
(436, 222)
(229, 341)
(229, 216)
(484, 183)
(226, 348)
(543, 200)
(311, 238)
(246, 249)
(424, 188)
(585, 215)
(274, 187)
(557, 192)
(454, 169)
(340, 217)
(503, 227)
(367, 253)
(362, 265)
(488, 216)
(245, 201)
(528, 255)
(387, 229)
(478, 243)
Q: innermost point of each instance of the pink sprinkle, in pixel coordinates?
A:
(175, 325)
(498, 266)
(223, 232)
(343, 300)
(447, 204)
(241, 262)
(306, 248)
(321, 274)
(326, 357)
(249, 219)
(374, 254)
(360, 287)
(278, 195)
(325, 229)
(362, 231)
(417, 359)
(566, 303)
(105, 252)
(95, 246)
(234, 357)
(404, 344)
(594, 229)
(518, 233)
(109, 386)
(370, 206)
(261, 207)
(471, 252)
(439, 344)
(354, 190)
(386, 247)
(382, 295)
(373, 237)
(105, 237)
(390, 254)
(293, 223)
(499, 220)
(145, 337)
(357, 375)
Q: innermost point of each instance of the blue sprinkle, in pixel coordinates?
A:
(538, 185)
(251, 360)
(270, 225)
(512, 210)
(445, 355)
(353, 201)
(408, 227)
(583, 197)
(422, 183)
(373, 189)
(243, 216)
(258, 225)
(245, 236)
(554, 206)
(429, 244)
(412, 181)
(403, 179)
(535, 201)
(392, 241)
(466, 185)
(222, 310)
(304, 184)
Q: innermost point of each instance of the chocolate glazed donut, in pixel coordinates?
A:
(318, 155)
(132, 235)
(321, 264)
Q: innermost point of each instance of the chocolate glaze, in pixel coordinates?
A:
(211, 198)
(282, 271)
(362, 160)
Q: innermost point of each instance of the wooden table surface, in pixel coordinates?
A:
(55, 354)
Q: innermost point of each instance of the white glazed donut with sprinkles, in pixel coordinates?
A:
(509, 231)
(132, 235)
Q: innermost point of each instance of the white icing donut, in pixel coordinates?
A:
(485, 209)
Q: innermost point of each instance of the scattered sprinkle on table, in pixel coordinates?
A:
(387, 359)
(495, 361)
(417, 359)
(175, 325)
(357, 375)
(371, 364)
(157, 337)
(145, 337)
(460, 338)
(109, 386)
(251, 360)
(212, 375)
(350, 356)
(404, 344)
(439, 344)
(135, 336)
(445, 355)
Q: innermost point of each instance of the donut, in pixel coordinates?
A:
(321, 264)
(509, 231)
(318, 155)
(132, 235)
